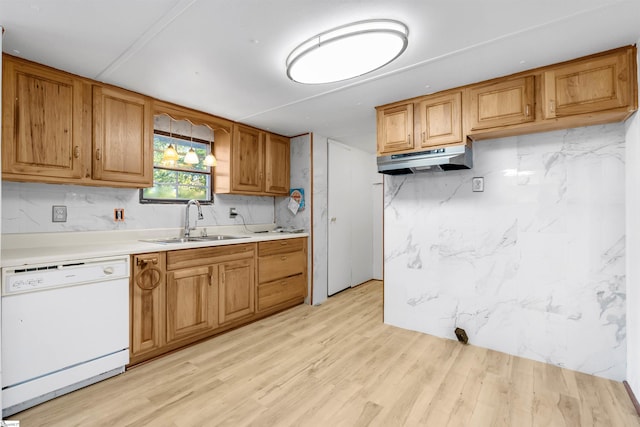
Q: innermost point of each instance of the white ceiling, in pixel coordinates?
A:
(228, 57)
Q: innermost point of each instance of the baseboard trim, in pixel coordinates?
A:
(632, 397)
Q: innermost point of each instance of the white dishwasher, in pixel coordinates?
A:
(64, 326)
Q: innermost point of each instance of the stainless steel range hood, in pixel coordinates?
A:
(447, 158)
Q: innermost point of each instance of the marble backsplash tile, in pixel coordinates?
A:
(26, 208)
(533, 266)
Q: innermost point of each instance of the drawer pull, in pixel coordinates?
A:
(283, 258)
(142, 261)
(149, 278)
(283, 243)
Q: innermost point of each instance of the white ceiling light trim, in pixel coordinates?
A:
(348, 51)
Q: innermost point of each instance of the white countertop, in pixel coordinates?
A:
(41, 248)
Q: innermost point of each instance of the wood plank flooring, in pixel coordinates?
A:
(339, 365)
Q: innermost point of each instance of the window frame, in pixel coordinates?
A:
(209, 172)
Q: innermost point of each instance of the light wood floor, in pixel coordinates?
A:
(339, 365)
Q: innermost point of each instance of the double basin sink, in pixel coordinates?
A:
(211, 238)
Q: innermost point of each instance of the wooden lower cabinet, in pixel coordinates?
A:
(147, 302)
(282, 273)
(192, 296)
(183, 296)
(237, 289)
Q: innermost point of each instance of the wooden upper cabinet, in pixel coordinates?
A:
(590, 85)
(42, 121)
(247, 162)
(277, 164)
(122, 137)
(395, 128)
(502, 103)
(59, 128)
(440, 120)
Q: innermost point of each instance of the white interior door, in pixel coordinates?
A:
(339, 208)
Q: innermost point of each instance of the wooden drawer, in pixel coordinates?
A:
(280, 291)
(278, 266)
(208, 255)
(281, 246)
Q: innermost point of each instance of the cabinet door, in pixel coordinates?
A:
(500, 104)
(247, 159)
(441, 120)
(276, 164)
(236, 289)
(191, 302)
(395, 128)
(147, 304)
(42, 122)
(122, 137)
(587, 86)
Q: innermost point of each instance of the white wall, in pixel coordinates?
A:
(533, 266)
(320, 153)
(364, 173)
(633, 251)
(364, 177)
(377, 190)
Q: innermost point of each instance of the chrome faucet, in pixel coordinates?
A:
(187, 227)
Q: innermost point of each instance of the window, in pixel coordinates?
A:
(177, 181)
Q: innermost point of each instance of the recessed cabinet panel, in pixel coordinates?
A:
(441, 120)
(276, 164)
(247, 159)
(395, 128)
(42, 121)
(237, 289)
(503, 103)
(191, 299)
(587, 86)
(122, 136)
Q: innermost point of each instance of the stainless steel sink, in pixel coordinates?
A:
(218, 237)
(211, 238)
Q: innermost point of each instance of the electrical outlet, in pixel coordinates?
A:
(233, 213)
(118, 215)
(59, 213)
(477, 184)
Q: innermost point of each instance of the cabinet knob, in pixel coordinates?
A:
(76, 152)
(526, 110)
(98, 154)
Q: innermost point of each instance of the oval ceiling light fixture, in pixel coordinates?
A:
(348, 51)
